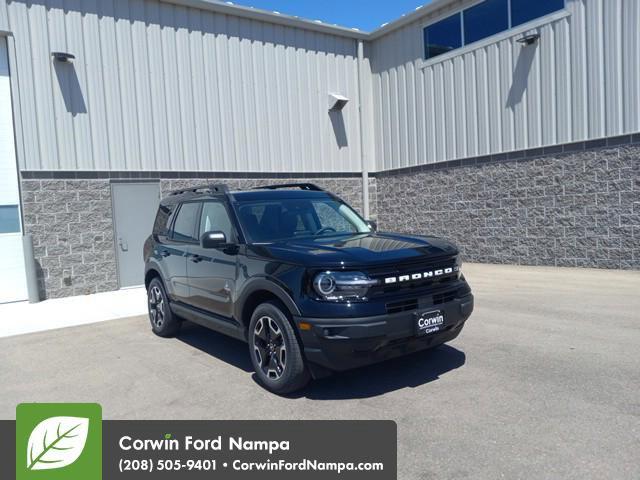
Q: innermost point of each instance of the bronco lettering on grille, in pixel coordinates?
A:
(422, 275)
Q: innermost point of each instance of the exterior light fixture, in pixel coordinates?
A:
(62, 57)
(337, 102)
(529, 39)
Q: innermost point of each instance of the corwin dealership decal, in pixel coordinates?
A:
(422, 275)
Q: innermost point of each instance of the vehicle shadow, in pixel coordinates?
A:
(405, 372)
(227, 349)
(410, 371)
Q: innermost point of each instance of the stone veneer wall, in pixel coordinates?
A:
(574, 205)
(72, 227)
(570, 206)
(71, 220)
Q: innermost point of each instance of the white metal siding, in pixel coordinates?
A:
(4, 21)
(581, 82)
(157, 86)
(13, 280)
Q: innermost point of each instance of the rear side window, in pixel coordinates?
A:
(184, 228)
(163, 220)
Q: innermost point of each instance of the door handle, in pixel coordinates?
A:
(124, 246)
(196, 258)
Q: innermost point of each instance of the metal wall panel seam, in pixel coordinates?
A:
(46, 120)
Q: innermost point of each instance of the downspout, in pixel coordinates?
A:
(363, 160)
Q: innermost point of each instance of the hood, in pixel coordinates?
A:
(356, 250)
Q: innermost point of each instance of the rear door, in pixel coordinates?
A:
(176, 247)
(212, 272)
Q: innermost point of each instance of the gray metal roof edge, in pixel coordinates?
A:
(303, 23)
(293, 21)
(271, 17)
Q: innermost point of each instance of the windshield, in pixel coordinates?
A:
(269, 221)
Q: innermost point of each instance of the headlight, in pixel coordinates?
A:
(342, 286)
(458, 266)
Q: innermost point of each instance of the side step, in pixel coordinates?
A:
(207, 320)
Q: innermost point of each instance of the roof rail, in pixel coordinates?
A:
(301, 186)
(214, 188)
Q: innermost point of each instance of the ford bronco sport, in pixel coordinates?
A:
(297, 274)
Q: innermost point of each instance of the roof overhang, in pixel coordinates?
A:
(293, 21)
(271, 17)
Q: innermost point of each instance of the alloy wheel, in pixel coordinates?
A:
(269, 348)
(156, 306)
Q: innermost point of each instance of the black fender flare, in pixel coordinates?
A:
(153, 264)
(263, 283)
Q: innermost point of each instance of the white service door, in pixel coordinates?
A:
(13, 281)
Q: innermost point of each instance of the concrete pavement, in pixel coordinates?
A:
(544, 382)
(19, 318)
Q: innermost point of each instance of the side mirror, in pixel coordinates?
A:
(213, 240)
(373, 225)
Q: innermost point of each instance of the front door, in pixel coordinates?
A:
(212, 271)
(134, 211)
(175, 249)
(13, 280)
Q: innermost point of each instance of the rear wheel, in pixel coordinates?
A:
(275, 351)
(163, 322)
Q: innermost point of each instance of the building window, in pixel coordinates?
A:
(485, 19)
(443, 36)
(523, 11)
(481, 21)
(9, 219)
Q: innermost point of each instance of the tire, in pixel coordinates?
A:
(275, 350)
(163, 322)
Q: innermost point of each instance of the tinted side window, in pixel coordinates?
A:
(523, 11)
(185, 224)
(486, 19)
(215, 218)
(163, 220)
(442, 37)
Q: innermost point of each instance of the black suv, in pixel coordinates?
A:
(302, 278)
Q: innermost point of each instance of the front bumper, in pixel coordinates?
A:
(346, 343)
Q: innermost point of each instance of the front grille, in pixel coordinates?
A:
(418, 286)
(445, 297)
(414, 304)
(402, 306)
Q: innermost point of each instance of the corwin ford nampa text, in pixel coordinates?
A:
(296, 273)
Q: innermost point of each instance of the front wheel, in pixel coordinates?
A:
(275, 351)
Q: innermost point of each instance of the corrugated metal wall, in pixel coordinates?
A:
(157, 86)
(582, 81)
(4, 21)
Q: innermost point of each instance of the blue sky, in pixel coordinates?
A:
(363, 14)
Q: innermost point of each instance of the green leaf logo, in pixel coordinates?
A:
(56, 442)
